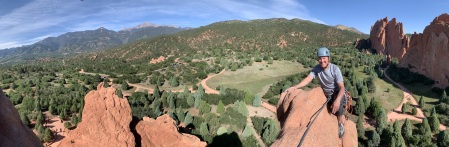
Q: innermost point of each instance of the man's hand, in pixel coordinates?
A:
(290, 89)
(335, 106)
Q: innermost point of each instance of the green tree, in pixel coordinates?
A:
(222, 130)
(360, 109)
(257, 102)
(105, 82)
(434, 122)
(443, 138)
(397, 135)
(197, 101)
(204, 107)
(220, 107)
(360, 127)
(119, 93)
(48, 135)
(67, 125)
(204, 131)
(248, 97)
(381, 121)
(421, 102)
(271, 131)
(248, 131)
(40, 118)
(414, 111)
(404, 108)
(443, 97)
(25, 119)
(180, 114)
(125, 85)
(188, 119)
(190, 100)
(241, 107)
(37, 104)
(425, 130)
(156, 92)
(407, 131)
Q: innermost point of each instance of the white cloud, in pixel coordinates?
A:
(39, 18)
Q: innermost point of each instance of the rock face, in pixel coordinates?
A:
(387, 37)
(105, 121)
(294, 112)
(13, 133)
(165, 130)
(428, 52)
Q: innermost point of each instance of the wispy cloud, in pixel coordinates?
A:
(42, 18)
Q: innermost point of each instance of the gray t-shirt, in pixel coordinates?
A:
(328, 78)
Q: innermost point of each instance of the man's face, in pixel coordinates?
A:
(323, 61)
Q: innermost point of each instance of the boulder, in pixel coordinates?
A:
(164, 132)
(294, 111)
(13, 133)
(428, 52)
(105, 121)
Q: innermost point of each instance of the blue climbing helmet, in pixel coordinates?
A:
(323, 52)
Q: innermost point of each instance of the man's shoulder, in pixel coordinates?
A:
(334, 67)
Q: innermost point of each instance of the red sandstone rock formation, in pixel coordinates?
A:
(388, 38)
(13, 133)
(105, 121)
(165, 130)
(294, 112)
(429, 51)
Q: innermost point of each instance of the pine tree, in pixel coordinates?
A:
(40, 118)
(180, 114)
(248, 131)
(406, 130)
(443, 97)
(37, 104)
(248, 97)
(257, 102)
(425, 131)
(360, 109)
(156, 92)
(434, 122)
(221, 131)
(397, 135)
(374, 139)
(220, 107)
(443, 138)
(421, 102)
(381, 121)
(271, 131)
(190, 100)
(119, 93)
(105, 82)
(404, 108)
(204, 131)
(25, 119)
(125, 85)
(188, 119)
(48, 135)
(360, 127)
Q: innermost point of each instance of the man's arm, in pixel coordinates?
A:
(336, 103)
(303, 83)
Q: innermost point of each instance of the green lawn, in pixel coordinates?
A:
(389, 100)
(255, 80)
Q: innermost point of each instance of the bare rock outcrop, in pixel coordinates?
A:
(13, 133)
(105, 121)
(387, 37)
(165, 130)
(428, 52)
(294, 112)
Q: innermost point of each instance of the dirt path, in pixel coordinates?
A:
(57, 127)
(269, 107)
(207, 89)
(396, 113)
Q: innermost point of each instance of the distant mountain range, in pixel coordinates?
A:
(342, 27)
(85, 41)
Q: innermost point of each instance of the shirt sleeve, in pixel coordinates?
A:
(314, 72)
(339, 77)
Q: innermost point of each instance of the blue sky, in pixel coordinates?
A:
(24, 22)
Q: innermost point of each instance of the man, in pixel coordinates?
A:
(331, 81)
